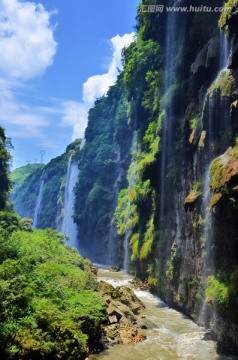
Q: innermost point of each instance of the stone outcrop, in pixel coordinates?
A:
(122, 306)
(191, 200)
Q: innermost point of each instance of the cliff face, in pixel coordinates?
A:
(104, 162)
(27, 182)
(175, 215)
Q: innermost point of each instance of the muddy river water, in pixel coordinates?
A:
(175, 337)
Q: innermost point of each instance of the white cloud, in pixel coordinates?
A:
(28, 59)
(16, 113)
(27, 45)
(75, 114)
(98, 85)
(27, 48)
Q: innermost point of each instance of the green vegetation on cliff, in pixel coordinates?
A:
(4, 164)
(103, 162)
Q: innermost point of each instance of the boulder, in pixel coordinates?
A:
(105, 288)
(118, 309)
(112, 319)
(114, 269)
(121, 306)
(112, 335)
(126, 296)
(146, 324)
(139, 284)
(129, 334)
(191, 200)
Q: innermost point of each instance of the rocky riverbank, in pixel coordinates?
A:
(123, 307)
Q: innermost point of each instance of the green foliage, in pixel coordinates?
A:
(224, 84)
(25, 188)
(20, 175)
(194, 122)
(49, 307)
(152, 96)
(26, 224)
(216, 291)
(228, 18)
(9, 221)
(108, 140)
(139, 61)
(146, 248)
(169, 270)
(134, 243)
(4, 168)
(224, 175)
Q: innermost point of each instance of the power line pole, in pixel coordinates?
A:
(42, 152)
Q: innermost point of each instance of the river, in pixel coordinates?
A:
(175, 337)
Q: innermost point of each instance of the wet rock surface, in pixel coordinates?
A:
(114, 269)
(139, 284)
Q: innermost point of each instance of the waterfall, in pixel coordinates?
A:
(216, 111)
(167, 126)
(127, 236)
(112, 236)
(208, 234)
(224, 51)
(38, 203)
(208, 263)
(68, 226)
(217, 119)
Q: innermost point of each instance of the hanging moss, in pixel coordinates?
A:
(229, 16)
(216, 292)
(224, 84)
(134, 243)
(224, 170)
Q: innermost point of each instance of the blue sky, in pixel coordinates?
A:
(57, 56)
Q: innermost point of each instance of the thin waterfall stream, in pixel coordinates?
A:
(128, 231)
(167, 122)
(38, 203)
(174, 336)
(68, 226)
(208, 260)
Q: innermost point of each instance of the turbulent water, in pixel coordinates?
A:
(175, 337)
(68, 226)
